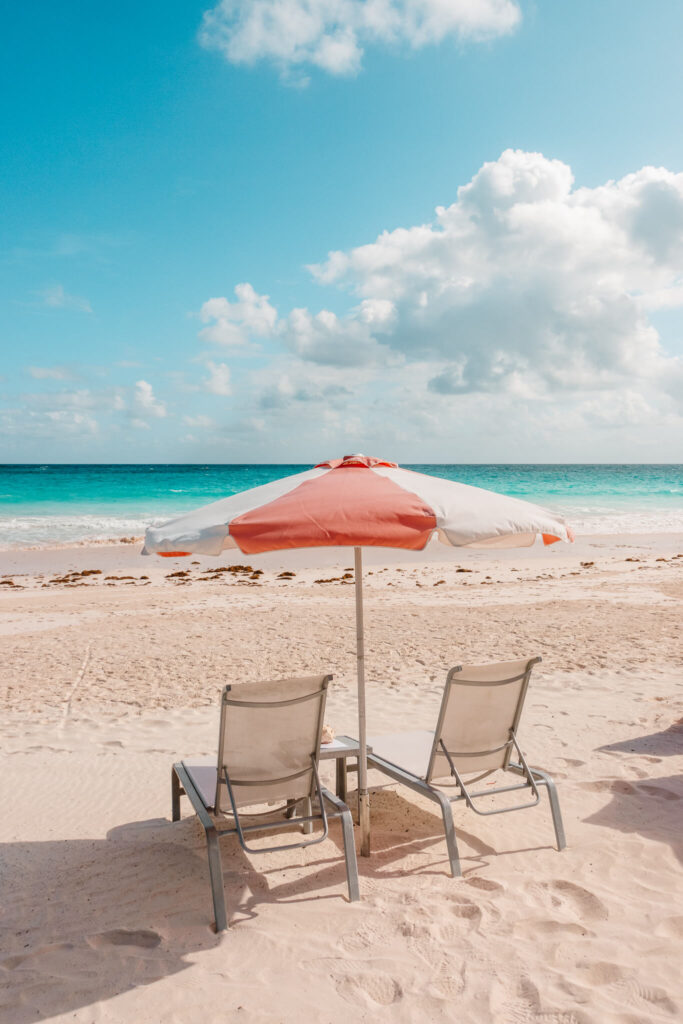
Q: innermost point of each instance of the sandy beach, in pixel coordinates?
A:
(112, 664)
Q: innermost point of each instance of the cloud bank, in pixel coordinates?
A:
(522, 322)
(526, 289)
(524, 284)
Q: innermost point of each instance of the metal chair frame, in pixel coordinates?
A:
(533, 777)
(182, 784)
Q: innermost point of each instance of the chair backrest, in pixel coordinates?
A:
(481, 705)
(268, 733)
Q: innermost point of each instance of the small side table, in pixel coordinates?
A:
(340, 748)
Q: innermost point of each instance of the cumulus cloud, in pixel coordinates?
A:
(287, 381)
(331, 34)
(328, 339)
(521, 318)
(234, 324)
(525, 283)
(58, 298)
(218, 382)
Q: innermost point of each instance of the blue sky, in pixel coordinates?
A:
(156, 157)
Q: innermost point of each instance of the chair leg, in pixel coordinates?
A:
(175, 796)
(349, 844)
(341, 779)
(554, 807)
(216, 876)
(451, 843)
(307, 826)
(350, 855)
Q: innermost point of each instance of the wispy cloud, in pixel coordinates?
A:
(198, 421)
(56, 297)
(50, 373)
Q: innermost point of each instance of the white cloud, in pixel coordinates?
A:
(218, 382)
(516, 325)
(325, 338)
(526, 284)
(72, 422)
(144, 402)
(331, 34)
(50, 373)
(56, 297)
(234, 324)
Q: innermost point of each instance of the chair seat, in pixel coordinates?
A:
(407, 750)
(202, 772)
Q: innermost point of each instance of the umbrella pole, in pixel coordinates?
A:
(363, 797)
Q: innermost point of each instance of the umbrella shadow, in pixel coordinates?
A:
(666, 743)
(86, 920)
(650, 807)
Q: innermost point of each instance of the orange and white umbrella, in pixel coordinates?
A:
(357, 501)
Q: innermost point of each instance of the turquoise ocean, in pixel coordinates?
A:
(51, 505)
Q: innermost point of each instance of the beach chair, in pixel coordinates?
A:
(475, 735)
(268, 749)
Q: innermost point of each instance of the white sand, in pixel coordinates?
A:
(106, 906)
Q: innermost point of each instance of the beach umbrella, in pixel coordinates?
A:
(357, 502)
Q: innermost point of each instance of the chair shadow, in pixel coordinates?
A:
(666, 743)
(402, 827)
(85, 920)
(650, 807)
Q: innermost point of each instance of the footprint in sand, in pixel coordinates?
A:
(485, 884)
(376, 986)
(585, 904)
(610, 785)
(466, 909)
(359, 981)
(603, 972)
(670, 927)
(141, 939)
(634, 993)
(631, 789)
(363, 938)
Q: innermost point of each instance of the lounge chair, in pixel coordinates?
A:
(476, 733)
(268, 748)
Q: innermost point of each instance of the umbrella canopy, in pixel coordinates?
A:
(354, 502)
(357, 501)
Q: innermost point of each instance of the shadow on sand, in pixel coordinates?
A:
(126, 911)
(666, 743)
(651, 808)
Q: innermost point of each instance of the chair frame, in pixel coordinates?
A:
(182, 784)
(533, 777)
